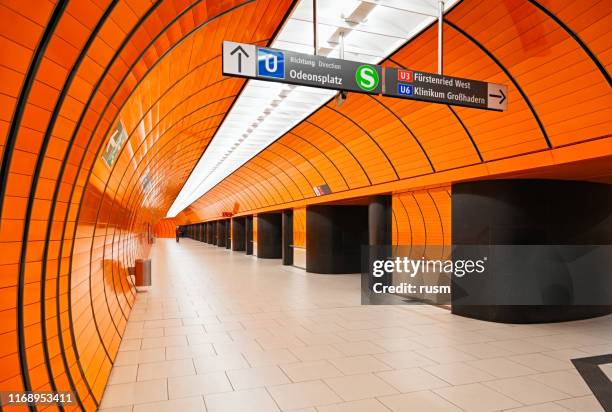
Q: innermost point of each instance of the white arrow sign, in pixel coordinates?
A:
(239, 59)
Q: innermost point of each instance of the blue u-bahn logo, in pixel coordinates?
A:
(404, 89)
(270, 63)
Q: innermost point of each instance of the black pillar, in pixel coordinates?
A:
(334, 238)
(238, 235)
(221, 238)
(269, 236)
(288, 237)
(380, 215)
(228, 234)
(547, 247)
(248, 235)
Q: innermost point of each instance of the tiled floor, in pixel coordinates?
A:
(221, 331)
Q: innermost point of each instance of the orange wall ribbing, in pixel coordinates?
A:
(70, 224)
(374, 144)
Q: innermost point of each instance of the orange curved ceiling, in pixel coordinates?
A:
(555, 58)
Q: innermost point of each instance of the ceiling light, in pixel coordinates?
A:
(390, 23)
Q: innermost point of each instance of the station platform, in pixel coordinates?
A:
(223, 331)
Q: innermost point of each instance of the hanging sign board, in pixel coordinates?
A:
(435, 88)
(262, 63)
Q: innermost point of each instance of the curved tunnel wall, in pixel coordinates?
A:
(374, 144)
(74, 74)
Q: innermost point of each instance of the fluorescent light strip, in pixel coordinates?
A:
(265, 111)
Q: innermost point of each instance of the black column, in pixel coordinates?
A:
(288, 237)
(248, 235)
(228, 234)
(238, 235)
(269, 236)
(547, 249)
(221, 238)
(334, 238)
(380, 215)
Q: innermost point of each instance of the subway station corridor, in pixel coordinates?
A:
(236, 333)
(382, 205)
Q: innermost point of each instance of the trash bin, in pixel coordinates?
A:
(143, 272)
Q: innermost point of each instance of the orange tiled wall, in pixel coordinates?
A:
(374, 144)
(422, 220)
(299, 226)
(165, 228)
(70, 223)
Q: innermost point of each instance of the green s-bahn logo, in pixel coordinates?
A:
(366, 77)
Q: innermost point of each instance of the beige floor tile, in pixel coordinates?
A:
(501, 367)
(484, 350)
(193, 385)
(458, 373)
(270, 357)
(165, 369)
(134, 393)
(412, 380)
(356, 387)
(217, 363)
(445, 355)
(227, 348)
(222, 327)
(279, 342)
(526, 390)
(365, 405)
(320, 338)
(191, 351)
(519, 346)
(130, 344)
(425, 401)
(193, 404)
(257, 377)
(394, 332)
(359, 364)
(569, 382)
(597, 349)
(123, 374)
(162, 323)
(162, 342)
(541, 407)
(202, 338)
(475, 397)
(582, 404)
(140, 356)
(251, 400)
(404, 360)
(144, 333)
(183, 330)
(541, 363)
(311, 370)
(303, 395)
(358, 348)
(316, 352)
(398, 344)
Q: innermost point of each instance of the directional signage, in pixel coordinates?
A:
(239, 58)
(284, 66)
(435, 88)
